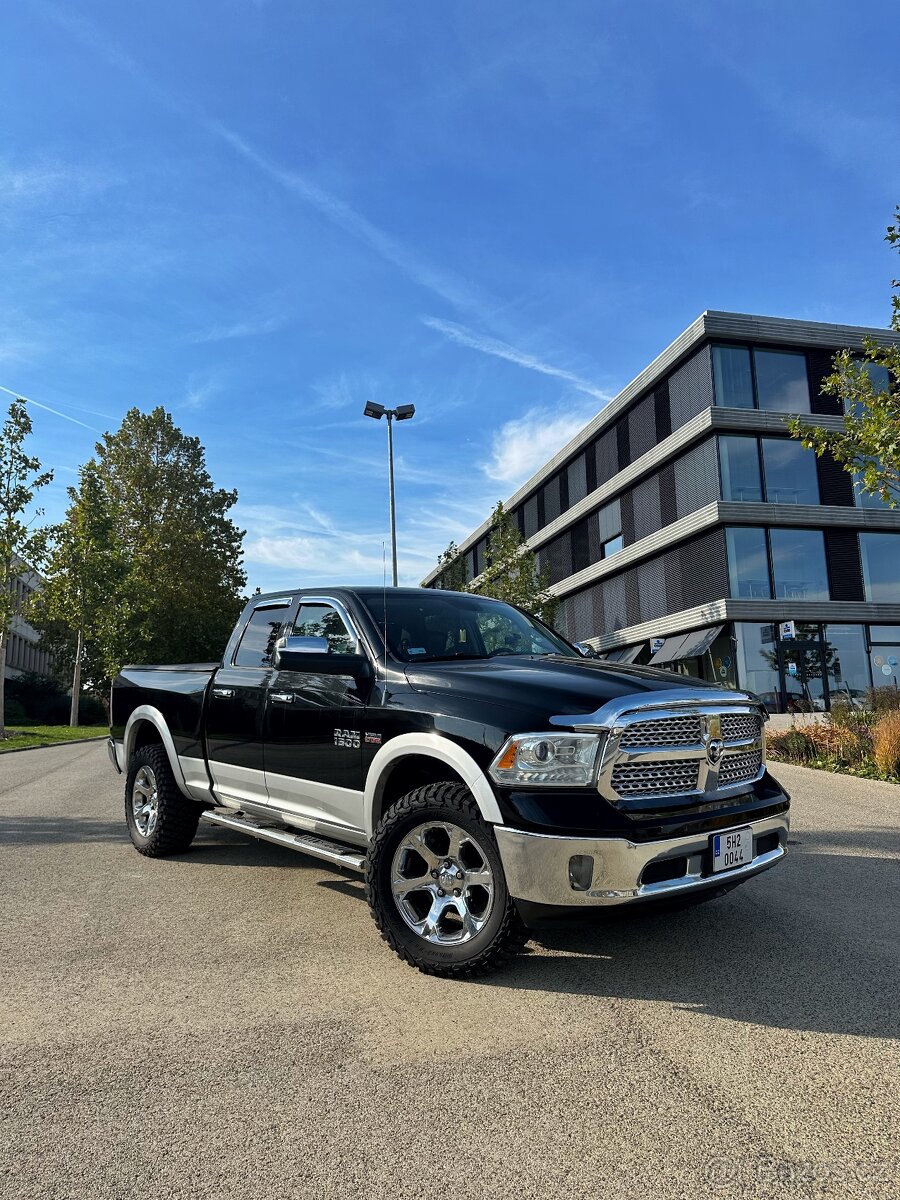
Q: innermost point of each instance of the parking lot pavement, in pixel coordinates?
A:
(228, 1024)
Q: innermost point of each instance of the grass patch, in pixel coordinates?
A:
(21, 737)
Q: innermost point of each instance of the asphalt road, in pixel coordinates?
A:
(228, 1024)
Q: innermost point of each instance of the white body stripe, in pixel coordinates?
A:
(238, 783)
(340, 806)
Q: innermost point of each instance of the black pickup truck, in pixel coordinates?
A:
(483, 773)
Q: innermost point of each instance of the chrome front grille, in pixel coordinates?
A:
(740, 766)
(655, 779)
(664, 731)
(699, 750)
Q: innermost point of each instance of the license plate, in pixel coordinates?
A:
(734, 849)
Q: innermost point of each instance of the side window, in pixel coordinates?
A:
(262, 632)
(321, 620)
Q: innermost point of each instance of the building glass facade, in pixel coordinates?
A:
(686, 506)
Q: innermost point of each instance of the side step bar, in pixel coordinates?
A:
(306, 843)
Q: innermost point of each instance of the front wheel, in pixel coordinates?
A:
(435, 885)
(161, 819)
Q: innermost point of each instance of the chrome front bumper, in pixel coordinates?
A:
(539, 870)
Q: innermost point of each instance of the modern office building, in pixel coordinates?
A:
(23, 651)
(685, 528)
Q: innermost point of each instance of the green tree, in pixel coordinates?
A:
(84, 570)
(510, 570)
(20, 477)
(175, 559)
(869, 444)
(452, 567)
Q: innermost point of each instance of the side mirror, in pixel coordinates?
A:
(585, 650)
(313, 654)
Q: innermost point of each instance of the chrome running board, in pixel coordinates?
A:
(307, 843)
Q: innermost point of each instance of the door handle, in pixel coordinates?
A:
(223, 693)
(282, 697)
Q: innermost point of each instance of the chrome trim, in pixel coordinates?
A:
(709, 705)
(223, 693)
(536, 865)
(281, 697)
(344, 613)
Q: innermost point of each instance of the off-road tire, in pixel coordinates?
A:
(176, 815)
(503, 934)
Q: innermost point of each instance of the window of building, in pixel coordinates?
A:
(323, 621)
(748, 563)
(758, 663)
(879, 375)
(847, 663)
(781, 381)
(865, 499)
(885, 655)
(790, 472)
(733, 376)
(613, 546)
(798, 564)
(739, 468)
(881, 566)
(258, 641)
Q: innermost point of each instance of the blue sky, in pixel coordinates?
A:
(262, 213)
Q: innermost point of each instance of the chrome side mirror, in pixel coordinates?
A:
(585, 650)
(291, 647)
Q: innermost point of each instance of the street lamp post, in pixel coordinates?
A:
(403, 412)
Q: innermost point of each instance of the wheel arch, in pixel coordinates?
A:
(412, 759)
(146, 727)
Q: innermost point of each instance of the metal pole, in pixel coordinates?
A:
(389, 416)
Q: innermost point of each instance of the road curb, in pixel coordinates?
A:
(54, 745)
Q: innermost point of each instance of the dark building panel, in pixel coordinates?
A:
(556, 556)
(626, 509)
(652, 589)
(623, 451)
(835, 484)
(645, 508)
(663, 411)
(667, 502)
(614, 603)
(576, 480)
(691, 388)
(552, 500)
(845, 579)
(704, 568)
(642, 427)
(820, 364)
(581, 547)
(606, 454)
(530, 517)
(696, 478)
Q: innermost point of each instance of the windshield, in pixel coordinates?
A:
(436, 625)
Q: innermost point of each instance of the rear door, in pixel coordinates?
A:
(236, 707)
(313, 728)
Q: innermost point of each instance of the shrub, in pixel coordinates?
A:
(883, 700)
(14, 713)
(886, 743)
(91, 711)
(791, 745)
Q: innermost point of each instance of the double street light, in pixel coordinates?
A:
(403, 412)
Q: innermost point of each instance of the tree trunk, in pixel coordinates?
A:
(76, 682)
(3, 640)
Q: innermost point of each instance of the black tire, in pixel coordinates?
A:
(501, 933)
(171, 826)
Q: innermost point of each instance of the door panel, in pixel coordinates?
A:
(234, 729)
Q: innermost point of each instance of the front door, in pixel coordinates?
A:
(236, 709)
(313, 731)
(803, 677)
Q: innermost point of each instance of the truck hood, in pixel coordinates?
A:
(559, 685)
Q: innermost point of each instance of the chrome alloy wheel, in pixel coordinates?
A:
(442, 883)
(145, 801)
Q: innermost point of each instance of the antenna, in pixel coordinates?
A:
(384, 600)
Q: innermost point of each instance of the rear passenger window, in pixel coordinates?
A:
(258, 643)
(321, 620)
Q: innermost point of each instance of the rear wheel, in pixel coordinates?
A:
(435, 885)
(161, 819)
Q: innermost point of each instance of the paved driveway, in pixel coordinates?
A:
(228, 1024)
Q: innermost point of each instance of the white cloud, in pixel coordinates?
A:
(493, 346)
(200, 389)
(524, 444)
(241, 329)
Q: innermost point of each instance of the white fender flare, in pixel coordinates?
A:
(146, 712)
(428, 745)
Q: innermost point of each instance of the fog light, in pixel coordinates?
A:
(581, 872)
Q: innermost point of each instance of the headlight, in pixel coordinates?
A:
(548, 760)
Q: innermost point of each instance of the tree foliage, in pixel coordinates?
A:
(510, 570)
(869, 444)
(148, 562)
(20, 478)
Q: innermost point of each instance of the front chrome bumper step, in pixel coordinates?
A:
(307, 843)
(539, 867)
